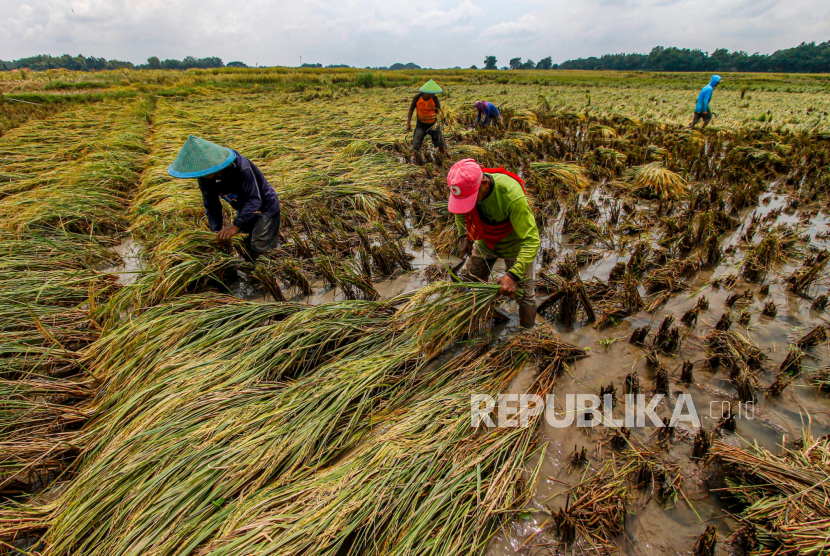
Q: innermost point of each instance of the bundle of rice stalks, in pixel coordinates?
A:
(772, 250)
(813, 338)
(37, 429)
(733, 350)
(407, 485)
(236, 428)
(554, 176)
(785, 498)
(355, 280)
(653, 180)
(625, 300)
(594, 509)
(803, 278)
(668, 337)
(564, 304)
(740, 358)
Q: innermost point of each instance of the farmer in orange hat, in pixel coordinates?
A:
(495, 222)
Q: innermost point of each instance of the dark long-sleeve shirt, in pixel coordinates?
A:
(244, 188)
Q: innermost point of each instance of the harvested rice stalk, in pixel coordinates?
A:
(661, 381)
(702, 443)
(687, 373)
(689, 318)
(632, 383)
(785, 496)
(668, 337)
(597, 512)
(567, 302)
(772, 250)
(437, 272)
(282, 430)
(422, 490)
(654, 180)
(774, 390)
(803, 278)
(640, 335)
(820, 303)
(733, 350)
(706, 543)
(724, 323)
(553, 174)
(792, 363)
(813, 338)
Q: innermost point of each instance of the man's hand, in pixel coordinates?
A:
(225, 234)
(465, 247)
(408, 127)
(508, 286)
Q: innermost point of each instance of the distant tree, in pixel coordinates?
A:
(544, 64)
(170, 64)
(236, 65)
(338, 66)
(529, 65)
(515, 63)
(311, 66)
(3, 66)
(118, 64)
(153, 63)
(490, 63)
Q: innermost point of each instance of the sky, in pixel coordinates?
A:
(430, 33)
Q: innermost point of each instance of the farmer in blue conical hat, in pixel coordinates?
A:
(702, 111)
(225, 174)
(427, 106)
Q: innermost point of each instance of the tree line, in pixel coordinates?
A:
(804, 58)
(91, 63)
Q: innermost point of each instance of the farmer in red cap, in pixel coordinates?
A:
(495, 222)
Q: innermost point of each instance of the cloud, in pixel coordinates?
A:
(528, 24)
(437, 33)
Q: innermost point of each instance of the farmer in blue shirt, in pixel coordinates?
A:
(702, 107)
(488, 110)
(225, 174)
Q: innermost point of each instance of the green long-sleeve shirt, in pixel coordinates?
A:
(507, 200)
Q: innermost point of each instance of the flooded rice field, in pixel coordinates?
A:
(164, 393)
(655, 525)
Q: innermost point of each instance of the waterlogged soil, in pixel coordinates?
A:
(653, 526)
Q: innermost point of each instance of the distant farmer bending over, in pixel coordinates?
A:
(427, 106)
(702, 107)
(495, 222)
(225, 174)
(489, 111)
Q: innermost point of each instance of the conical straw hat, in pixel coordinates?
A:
(431, 87)
(199, 158)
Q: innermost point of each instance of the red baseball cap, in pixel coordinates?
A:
(464, 179)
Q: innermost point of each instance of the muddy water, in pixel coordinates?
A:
(650, 528)
(131, 264)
